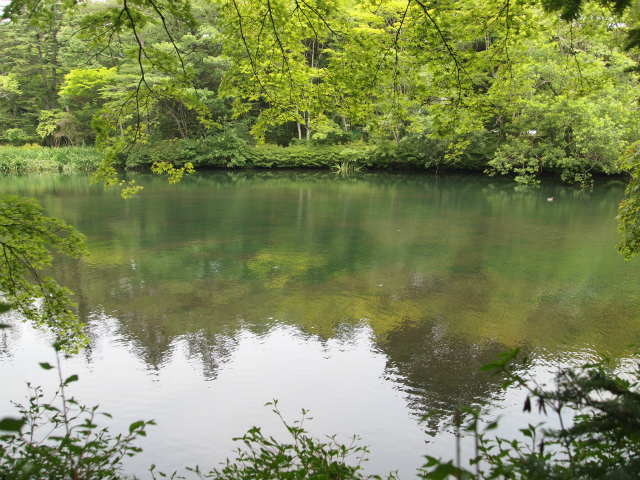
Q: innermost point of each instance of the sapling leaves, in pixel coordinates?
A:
(60, 439)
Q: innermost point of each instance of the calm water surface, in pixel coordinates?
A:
(369, 300)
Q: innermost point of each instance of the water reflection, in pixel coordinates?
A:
(440, 369)
(339, 380)
(371, 300)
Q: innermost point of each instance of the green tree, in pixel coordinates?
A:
(629, 209)
(567, 109)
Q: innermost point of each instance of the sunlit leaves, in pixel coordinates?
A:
(564, 105)
(174, 174)
(85, 84)
(629, 208)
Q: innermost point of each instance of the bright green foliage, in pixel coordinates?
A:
(175, 174)
(567, 109)
(8, 86)
(629, 209)
(27, 239)
(131, 189)
(278, 56)
(59, 439)
(601, 441)
(406, 70)
(439, 78)
(37, 159)
(59, 126)
(84, 85)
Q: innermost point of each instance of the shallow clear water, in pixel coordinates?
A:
(369, 300)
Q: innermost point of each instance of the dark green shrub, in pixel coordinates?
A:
(143, 155)
(226, 149)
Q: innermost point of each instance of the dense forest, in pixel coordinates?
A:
(505, 87)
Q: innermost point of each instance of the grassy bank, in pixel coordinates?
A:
(37, 159)
(224, 153)
(228, 151)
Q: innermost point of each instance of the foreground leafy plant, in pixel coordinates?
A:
(601, 441)
(59, 439)
(304, 458)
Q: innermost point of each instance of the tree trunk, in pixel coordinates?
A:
(54, 59)
(181, 128)
(43, 72)
(396, 136)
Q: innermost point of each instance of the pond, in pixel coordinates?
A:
(369, 300)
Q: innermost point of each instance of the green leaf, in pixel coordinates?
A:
(135, 425)
(9, 424)
(72, 378)
(444, 470)
(492, 426)
(59, 344)
(488, 367)
(46, 366)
